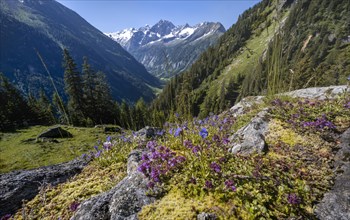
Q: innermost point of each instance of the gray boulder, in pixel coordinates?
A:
(320, 93)
(336, 203)
(206, 216)
(148, 133)
(241, 107)
(251, 138)
(56, 132)
(124, 201)
(24, 184)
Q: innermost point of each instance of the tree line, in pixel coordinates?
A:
(89, 102)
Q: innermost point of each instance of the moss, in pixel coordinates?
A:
(279, 132)
(176, 206)
(54, 202)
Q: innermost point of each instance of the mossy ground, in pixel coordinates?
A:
(20, 150)
(100, 175)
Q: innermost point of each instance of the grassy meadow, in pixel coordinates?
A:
(21, 150)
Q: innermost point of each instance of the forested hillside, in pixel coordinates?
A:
(280, 45)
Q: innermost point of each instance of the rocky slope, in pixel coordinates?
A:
(303, 135)
(166, 49)
(47, 27)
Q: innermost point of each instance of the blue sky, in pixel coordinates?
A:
(114, 15)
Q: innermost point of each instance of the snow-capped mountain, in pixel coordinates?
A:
(166, 49)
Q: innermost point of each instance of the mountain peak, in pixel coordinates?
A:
(163, 27)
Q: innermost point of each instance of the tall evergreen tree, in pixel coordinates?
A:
(74, 89)
(14, 110)
(89, 89)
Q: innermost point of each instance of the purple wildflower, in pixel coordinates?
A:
(150, 185)
(196, 149)
(347, 105)
(225, 140)
(96, 148)
(209, 184)
(145, 157)
(109, 138)
(151, 144)
(188, 144)
(73, 206)
(216, 138)
(160, 133)
(177, 115)
(178, 132)
(144, 168)
(230, 185)
(98, 154)
(277, 102)
(193, 181)
(215, 167)
(181, 159)
(172, 162)
(155, 175)
(203, 133)
(293, 199)
(222, 160)
(171, 131)
(348, 78)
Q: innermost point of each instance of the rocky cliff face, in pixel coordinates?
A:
(166, 49)
(24, 185)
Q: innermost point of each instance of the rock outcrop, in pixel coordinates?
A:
(320, 93)
(336, 203)
(24, 184)
(251, 138)
(246, 103)
(147, 133)
(56, 132)
(123, 201)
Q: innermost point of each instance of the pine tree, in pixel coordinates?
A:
(103, 99)
(14, 110)
(73, 88)
(125, 115)
(141, 116)
(89, 86)
(46, 109)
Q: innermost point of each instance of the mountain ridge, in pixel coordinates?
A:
(166, 49)
(49, 27)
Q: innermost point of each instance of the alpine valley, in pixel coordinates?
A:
(255, 127)
(166, 49)
(48, 27)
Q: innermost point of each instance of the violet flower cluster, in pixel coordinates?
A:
(320, 123)
(159, 163)
(297, 114)
(293, 199)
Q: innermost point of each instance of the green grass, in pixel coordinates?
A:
(20, 150)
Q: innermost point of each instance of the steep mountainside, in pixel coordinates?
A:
(280, 45)
(166, 49)
(48, 27)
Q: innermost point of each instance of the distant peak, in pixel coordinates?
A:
(163, 27)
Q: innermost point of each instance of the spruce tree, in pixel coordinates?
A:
(89, 84)
(74, 89)
(14, 110)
